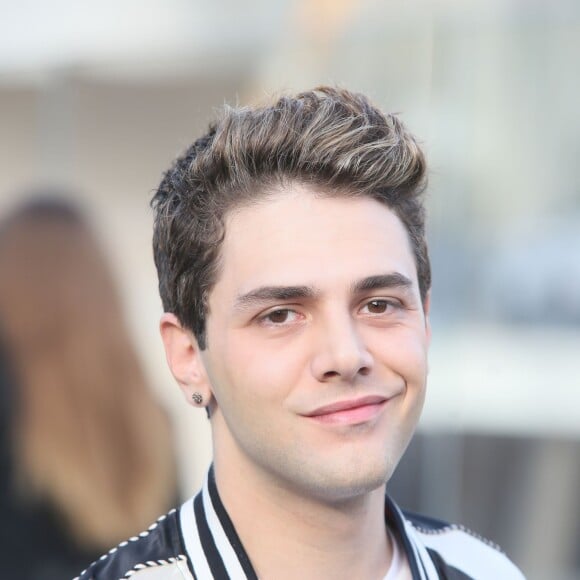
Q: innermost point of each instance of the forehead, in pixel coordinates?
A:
(298, 237)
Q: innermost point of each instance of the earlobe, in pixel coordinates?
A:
(184, 359)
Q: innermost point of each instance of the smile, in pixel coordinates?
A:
(349, 412)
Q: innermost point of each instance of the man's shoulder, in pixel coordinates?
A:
(457, 552)
(156, 553)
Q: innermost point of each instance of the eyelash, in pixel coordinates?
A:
(265, 319)
(389, 304)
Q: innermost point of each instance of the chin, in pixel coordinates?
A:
(349, 482)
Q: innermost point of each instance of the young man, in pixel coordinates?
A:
(294, 274)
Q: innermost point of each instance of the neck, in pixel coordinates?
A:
(290, 535)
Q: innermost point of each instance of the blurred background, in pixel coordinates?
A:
(96, 98)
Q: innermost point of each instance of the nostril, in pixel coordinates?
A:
(363, 371)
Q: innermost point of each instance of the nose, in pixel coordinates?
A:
(341, 354)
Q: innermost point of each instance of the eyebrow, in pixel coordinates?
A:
(391, 280)
(273, 294)
(284, 293)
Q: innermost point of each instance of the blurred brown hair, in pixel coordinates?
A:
(89, 436)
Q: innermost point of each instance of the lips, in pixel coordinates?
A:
(341, 407)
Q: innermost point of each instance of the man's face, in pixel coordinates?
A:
(317, 344)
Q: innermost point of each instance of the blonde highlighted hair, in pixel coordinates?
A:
(335, 142)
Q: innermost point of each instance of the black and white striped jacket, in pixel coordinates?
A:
(198, 541)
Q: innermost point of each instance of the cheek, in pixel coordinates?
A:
(405, 353)
(255, 373)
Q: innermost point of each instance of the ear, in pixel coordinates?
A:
(184, 359)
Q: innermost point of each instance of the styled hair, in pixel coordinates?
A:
(332, 141)
(89, 437)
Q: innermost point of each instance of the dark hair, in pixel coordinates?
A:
(335, 141)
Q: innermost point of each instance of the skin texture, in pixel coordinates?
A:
(317, 304)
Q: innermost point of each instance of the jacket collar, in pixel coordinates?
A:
(216, 551)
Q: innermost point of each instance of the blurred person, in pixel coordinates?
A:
(293, 269)
(86, 450)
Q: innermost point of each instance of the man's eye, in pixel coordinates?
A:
(280, 316)
(377, 306)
